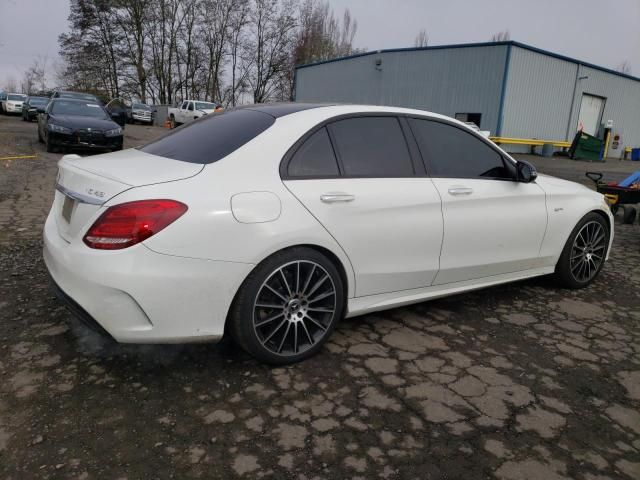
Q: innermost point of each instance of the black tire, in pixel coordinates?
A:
(49, 146)
(629, 215)
(581, 255)
(287, 334)
(614, 208)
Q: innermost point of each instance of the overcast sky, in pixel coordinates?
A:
(601, 32)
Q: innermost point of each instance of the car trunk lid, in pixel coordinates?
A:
(84, 184)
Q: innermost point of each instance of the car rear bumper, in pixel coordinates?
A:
(136, 295)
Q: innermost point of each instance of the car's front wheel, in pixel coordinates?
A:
(288, 306)
(584, 253)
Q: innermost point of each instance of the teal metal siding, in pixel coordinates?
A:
(446, 81)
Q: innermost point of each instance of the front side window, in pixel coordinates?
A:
(372, 147)
(452, 152)
(184, 105)
(314, 158)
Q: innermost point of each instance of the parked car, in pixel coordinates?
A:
(13, 103)
(191, 110)
(71, 123)
(272, 222)
(3, 98)
(118, 111)
(32, 106)
(139, 112)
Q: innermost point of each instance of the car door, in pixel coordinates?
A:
(359, 179)
(493, 224)
(182, 111)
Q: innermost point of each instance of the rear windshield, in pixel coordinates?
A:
(211, 137)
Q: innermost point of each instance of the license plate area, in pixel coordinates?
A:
(67, 208)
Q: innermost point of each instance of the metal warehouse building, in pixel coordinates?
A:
(511, 89)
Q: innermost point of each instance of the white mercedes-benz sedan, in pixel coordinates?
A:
(273, 222)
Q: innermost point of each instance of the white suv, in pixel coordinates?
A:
(13, 103)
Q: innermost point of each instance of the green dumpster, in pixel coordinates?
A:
(586, 147)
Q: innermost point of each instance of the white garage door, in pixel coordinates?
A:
(590, 113)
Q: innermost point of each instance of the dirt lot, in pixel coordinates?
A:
(523, 381)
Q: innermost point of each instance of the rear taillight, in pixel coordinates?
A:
(129, 223)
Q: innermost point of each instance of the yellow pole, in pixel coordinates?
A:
(606, 145)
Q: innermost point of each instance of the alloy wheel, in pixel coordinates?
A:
(294, 308)
(588, 251)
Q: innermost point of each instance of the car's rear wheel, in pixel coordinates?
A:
(288, 306)
(629, 215)
(584, 253)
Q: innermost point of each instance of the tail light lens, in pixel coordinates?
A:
(124, 225)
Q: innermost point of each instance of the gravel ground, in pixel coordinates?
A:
(524, 381)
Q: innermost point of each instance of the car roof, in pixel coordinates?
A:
(277, 110)
(329, 110)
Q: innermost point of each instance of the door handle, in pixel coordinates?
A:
(460, 191)
(337, 198)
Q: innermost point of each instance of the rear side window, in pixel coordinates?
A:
(372, 147)
(315, 158)
(211, 137)
(452, 152)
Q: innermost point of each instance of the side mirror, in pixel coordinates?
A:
(526, 172)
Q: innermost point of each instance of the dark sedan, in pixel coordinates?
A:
(77, 124)
(32, 106)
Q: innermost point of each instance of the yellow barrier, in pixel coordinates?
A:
(534, 142)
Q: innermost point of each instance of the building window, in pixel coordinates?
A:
(470, 118)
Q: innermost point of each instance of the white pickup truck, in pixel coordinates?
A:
(191, 110)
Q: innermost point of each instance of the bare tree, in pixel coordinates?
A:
(624, 67)
(10, 84)
(502, 36)
(272, 25)
(35, 77)
(223, 50)
(422, 39)
(239, 63)
(132, 17)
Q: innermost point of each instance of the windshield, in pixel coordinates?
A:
(83, 96)
(141, 106)
(205, 106)
(61, 107)
(38, 101)
(15, 97)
